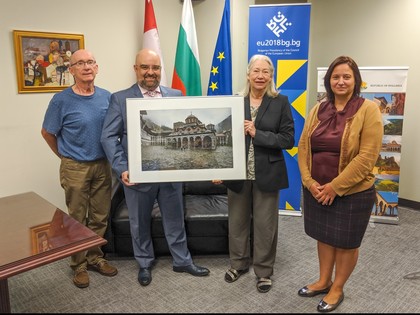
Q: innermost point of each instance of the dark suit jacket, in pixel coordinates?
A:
(114, 131)
(275, 132)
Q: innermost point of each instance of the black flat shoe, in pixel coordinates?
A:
(192, 269)
(305, 292)
(324, 307)
(145, 276)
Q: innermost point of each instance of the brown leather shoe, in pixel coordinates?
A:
(81, 278)
(104, 268)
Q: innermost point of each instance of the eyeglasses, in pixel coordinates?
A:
(147, 67)
(81, 63)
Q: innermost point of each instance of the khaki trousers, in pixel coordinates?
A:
(87, 188)
(263, 208)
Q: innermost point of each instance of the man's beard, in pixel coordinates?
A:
(147, 84)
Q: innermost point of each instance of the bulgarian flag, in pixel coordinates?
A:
(187, 77)
(151, 35)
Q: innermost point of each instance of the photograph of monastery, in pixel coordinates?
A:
(195, 138)
(182, 139)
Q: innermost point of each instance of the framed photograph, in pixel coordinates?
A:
(173, 139)
(43, 59)
(40, 239)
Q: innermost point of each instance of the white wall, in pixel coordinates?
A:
(374, 32)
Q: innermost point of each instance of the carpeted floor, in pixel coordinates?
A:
(388, 256)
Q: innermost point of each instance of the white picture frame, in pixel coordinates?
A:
(178, 139)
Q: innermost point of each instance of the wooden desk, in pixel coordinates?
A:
(34, 233)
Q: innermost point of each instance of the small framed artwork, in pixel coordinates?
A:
(43, 60)
(40, 239)
(173, 139)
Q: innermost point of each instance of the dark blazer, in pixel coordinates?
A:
(114, 131)
(275, 132)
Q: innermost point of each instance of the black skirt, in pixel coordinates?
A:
(342, 224)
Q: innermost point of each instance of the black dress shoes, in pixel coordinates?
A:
(305, 292)
(324, 307)
(145, 276)
(193, 270)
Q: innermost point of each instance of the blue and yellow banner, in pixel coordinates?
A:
(282, 33)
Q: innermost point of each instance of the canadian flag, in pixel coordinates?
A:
(151, 36)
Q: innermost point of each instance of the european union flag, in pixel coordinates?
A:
(220, 82)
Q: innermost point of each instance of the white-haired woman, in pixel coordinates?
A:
(253, 203)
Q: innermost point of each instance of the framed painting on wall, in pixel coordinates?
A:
(43, 60)
(173, 139)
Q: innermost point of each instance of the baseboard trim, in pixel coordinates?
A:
(415, 205)
(290, 212)
(384, 219)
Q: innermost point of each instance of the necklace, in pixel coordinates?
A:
(256, 97)
(255, 101)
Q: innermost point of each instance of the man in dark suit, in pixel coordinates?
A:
(141, 197)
